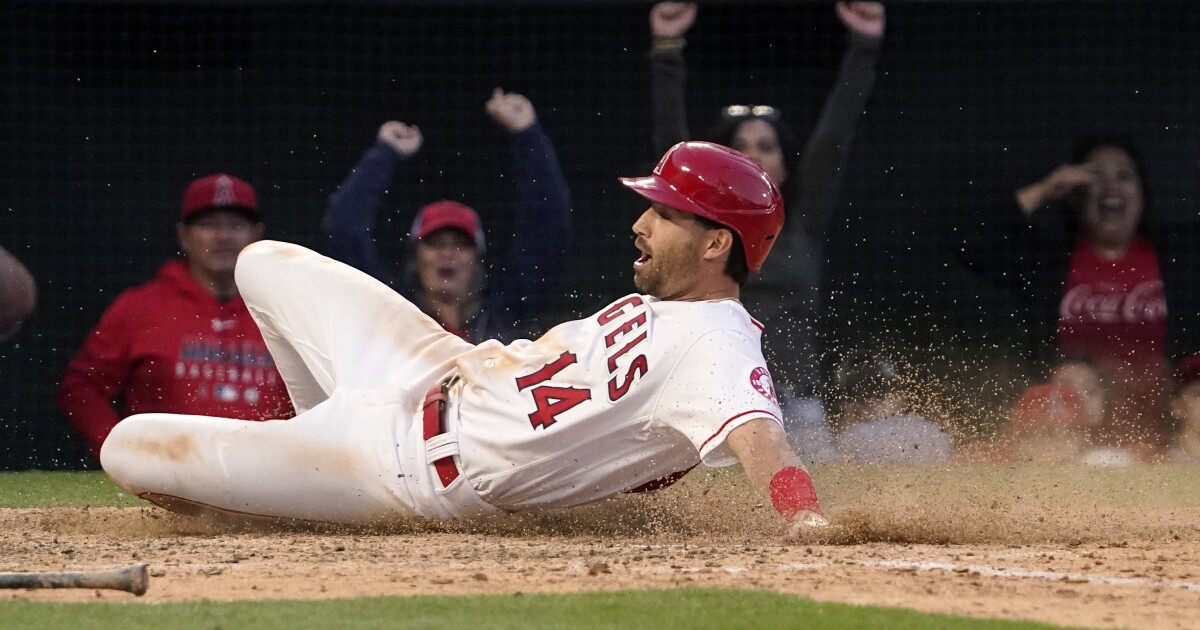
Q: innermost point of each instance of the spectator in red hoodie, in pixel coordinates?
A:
(183, 342)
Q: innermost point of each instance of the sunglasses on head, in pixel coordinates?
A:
(736, 112)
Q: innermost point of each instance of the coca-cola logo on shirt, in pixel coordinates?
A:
(1143, 303)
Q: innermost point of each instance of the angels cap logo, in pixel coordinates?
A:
(761, 380)
(223, 194)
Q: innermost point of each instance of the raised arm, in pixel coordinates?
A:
(776, 470)
(354, 207)
(522, 287)
(669, 22)
(1058, 185)
(1011, 232)
(828, 148)
(18, 294)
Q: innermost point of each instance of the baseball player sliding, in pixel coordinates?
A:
(396, 416)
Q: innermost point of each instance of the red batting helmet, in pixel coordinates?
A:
(721, 185)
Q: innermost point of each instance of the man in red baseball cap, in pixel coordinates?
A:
(220, 217)
(447, 253)
(183, 342)
(444, 274)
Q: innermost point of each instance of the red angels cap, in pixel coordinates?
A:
(1047, 405)
(219, 191)
(448, 214)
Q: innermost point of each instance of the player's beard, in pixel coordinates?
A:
(667, 273)
(645, 280)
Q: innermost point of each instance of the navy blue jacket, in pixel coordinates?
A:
(519, 290)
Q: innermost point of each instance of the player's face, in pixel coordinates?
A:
(672, 246)
(757, 139)
(446, 264)
(1111, 210)
(213, 240)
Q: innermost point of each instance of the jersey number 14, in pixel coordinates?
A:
(552, 400)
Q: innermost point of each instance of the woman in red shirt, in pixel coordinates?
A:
(1098, 282)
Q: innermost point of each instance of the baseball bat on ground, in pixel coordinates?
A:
(131, 578)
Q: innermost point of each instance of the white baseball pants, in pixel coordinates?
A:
(357, 360)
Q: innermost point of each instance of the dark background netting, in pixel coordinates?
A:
(110, 108)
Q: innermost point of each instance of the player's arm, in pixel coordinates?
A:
(354, 206)
(543, 230)
(775, 469)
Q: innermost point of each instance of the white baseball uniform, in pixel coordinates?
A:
(630, 398)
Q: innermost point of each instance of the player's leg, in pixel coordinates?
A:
(327, 323)
(313, 467)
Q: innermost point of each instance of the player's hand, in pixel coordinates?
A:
(672, 19)
(864, 18)
(511, 111)
(405, 139)
(803, 525)
(1062, 182)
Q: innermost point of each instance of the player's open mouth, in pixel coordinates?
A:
(640, 243)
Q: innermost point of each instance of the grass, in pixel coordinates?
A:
(61, 489)
(684, 608)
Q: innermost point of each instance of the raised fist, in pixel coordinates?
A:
(864, 18)
(511, 111)
(672, 19)
(404, 139)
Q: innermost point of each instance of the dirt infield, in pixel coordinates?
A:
(1085, 547)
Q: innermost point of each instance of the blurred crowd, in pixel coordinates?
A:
(1113, 311)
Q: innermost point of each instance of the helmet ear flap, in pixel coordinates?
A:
(721, 185)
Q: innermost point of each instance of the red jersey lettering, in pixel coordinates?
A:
(625, 328)
(637, 369)
(551, 400)
(547, 371)
(611, 312)
(612, 359)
